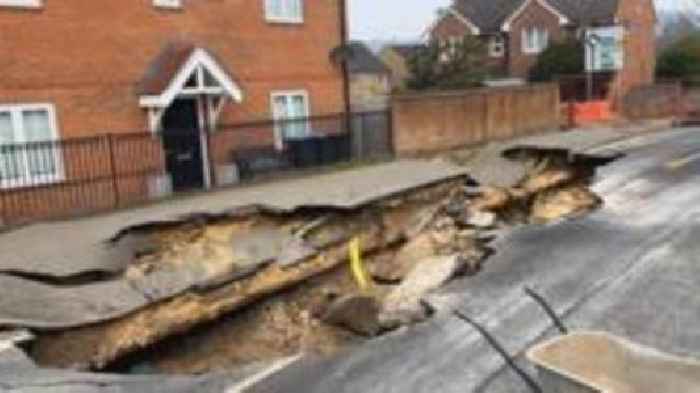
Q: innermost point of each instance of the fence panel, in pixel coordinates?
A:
(371, 135)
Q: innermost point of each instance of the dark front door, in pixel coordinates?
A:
(183, 150)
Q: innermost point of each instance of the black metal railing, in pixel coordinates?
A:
(59, 178)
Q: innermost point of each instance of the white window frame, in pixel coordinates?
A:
(534, 40)
(15, 111)
(170, 4)
(497, 46)
(279, 134)
(22, 3)
(284, 18)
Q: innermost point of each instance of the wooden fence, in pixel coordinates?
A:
(427, 122)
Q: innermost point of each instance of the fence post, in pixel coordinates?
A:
(389, 113)
(113, 169)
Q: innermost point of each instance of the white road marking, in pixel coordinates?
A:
(254, 379)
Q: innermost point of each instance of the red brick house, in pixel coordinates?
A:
(516, 31)
(84, 68)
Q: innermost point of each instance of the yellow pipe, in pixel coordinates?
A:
(357, 267)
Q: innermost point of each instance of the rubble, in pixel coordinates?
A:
(278, 283)
(357, 313)
(403, 305)
(557, 185)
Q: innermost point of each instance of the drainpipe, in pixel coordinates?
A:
(344, 63)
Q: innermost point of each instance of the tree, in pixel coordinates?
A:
(681, 60)
(459, 65)
(562, 58)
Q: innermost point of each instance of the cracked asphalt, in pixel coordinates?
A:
(631, 269)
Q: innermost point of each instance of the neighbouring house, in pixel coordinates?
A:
(397, 58)
(182, 71)
(370, 87)
(517, 31)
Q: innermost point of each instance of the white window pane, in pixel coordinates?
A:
(41, 153)
(36, 125)
(298, 106)
(279, 107)
(297, 110)
(7, 132)
(274, 8)
(298, 8)
(11, 157)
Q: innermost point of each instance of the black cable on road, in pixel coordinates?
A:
(539, 299)
(529, 381)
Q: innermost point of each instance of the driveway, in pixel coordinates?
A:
(630, 269)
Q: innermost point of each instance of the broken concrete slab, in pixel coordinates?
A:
(30, 304)
(403, 305)
(357, 313)
(41, 249)
(12, 357)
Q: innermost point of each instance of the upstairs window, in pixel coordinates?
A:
(175, 4)
(450, 48)
(29, 153)
(535, 40)
(22, 3)
(497, 46)
(284, 11)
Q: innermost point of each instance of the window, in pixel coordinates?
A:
(450, 47)
(167, 3)
(28, 153)
(22, 3)
(535, 40)
(497, 46)
(284, 11)
(286, 107)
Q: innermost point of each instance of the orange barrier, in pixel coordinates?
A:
(590, 112)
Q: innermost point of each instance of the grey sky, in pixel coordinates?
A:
(391, 19)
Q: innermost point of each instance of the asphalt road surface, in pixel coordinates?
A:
(632, 269)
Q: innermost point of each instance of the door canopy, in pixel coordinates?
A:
(186, 71)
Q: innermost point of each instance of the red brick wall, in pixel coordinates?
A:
(639, 18)
(533, 15)
(449, 26)
(87, 56)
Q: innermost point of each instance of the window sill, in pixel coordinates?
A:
(22, 5)
(284, 21)
(20, 185)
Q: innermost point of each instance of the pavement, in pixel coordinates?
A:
(630, 269)
(34, 256)
(74, 247)
(486, 165)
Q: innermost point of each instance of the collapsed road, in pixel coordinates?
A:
(176, 268)
(630, 269)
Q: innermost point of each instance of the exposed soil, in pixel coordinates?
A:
(254, 310)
